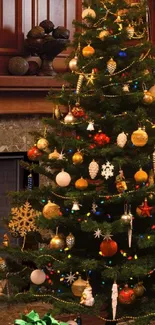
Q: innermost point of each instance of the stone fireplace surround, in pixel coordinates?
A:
(15, 131)
(15, 134)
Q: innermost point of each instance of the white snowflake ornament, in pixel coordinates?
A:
(93, 169)
(121, 140)
(107, 170)
(70, 277)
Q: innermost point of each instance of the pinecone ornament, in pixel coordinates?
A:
(121, 140)
(93, 169)
(130, 31)
(111, 66)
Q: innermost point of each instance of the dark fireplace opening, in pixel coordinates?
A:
(13, 177)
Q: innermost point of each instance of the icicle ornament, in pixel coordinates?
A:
(127, 218)
(79, 83)
(114, 298)
(153, 156)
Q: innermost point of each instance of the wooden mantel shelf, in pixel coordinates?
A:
(27, 83)
(27, 94)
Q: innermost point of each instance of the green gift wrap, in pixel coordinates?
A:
(33, 319)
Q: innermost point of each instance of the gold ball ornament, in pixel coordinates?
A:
(139, 138)
(81, 184)
(54, 155)
(63, 179)
(70, 240)
(51, 210)
(88, 51)
(77, 158)
(42, 144)
(88, 12)
(57, 242)
(152, 91)
(73, 64)
(141, 176)
(38, 277)
(139, 289)
(103, 34)
(139, 212)
(2, 264)
(111, 66)
(78, 287)
(69, 118)
(148, 98)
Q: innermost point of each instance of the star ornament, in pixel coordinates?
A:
(98, 233)
(145, 209)
(91, 77)
(70, 277)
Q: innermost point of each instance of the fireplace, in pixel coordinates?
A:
(15, 140)
(12, 178)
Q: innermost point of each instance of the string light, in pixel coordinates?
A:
(46, 255)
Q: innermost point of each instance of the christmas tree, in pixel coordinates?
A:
(94, 217)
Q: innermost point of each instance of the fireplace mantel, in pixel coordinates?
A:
(29, 83)
(27, 95)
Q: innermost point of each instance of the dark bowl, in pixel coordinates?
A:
(52, 47)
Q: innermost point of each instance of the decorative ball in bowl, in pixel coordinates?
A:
(47, 42)
(18, 66)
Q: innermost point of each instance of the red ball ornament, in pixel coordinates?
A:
(92, 146)
(95, 70)
(126, 296)
(34, 153)
(78, 111)
(101, 138)
(108, 247)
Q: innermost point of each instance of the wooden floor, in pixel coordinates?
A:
(11, 312)
(86, 320)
